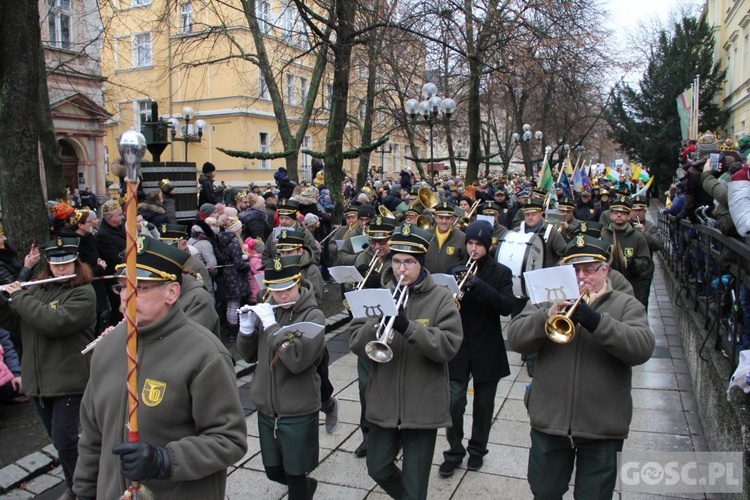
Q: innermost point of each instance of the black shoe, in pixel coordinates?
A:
(361, 450)
(475, 462)
(448, 467)
(312, 485)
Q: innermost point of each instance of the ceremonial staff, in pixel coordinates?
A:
(132, 147)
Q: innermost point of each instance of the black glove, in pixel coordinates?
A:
(471, 281)
(142, 461)
(373, 281)
(458, 271)
(362, 269)
(585, 316)
(630, 264)
(400, 323)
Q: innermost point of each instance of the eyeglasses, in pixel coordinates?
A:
(588, 271)
(408, 264)
(118, 289)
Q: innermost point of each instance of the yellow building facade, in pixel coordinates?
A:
(201, 55)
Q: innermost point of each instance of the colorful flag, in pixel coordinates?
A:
(612, 174)
(586, 181)
(685, 112)
(546, 181)
(643, 190)
(565, 185)
(577, 180)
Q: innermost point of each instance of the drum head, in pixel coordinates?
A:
(520, 252)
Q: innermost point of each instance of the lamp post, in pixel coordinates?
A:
(431, 110)
(526, 138)
(382, 152)
(460, 153)
(187, 137)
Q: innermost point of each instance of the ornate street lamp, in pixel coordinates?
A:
(432, 109)
(187, 137)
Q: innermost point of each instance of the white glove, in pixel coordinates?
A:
(265, 313)
(247, 320)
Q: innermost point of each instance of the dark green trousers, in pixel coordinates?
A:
(418, 444)
(551, 461)
(481, 420)
(363, 374)
(644, 290)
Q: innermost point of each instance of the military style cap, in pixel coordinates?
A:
(604, 192)
(289, 240)
(533, 205)
(488, 208)
(381, 228)
(583, 248)
(352, 210)
(566, 203)
(443, 208)
(367, 211)
(409, 238)
(589, 228)
(621, 204)
(413, 209)
(282, 273)
(288, 207)
(524, 193)
(538, 193)
(156, 261)
(61, 250)
(172, 232)
(639, 202)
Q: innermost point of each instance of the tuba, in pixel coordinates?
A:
(379, 350)
(559, 327)
(427, 198)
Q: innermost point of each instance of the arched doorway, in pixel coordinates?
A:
(69, 164)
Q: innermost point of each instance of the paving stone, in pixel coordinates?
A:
(10, 476)
(51, 451)
(513, 409)
(655, 365)
(694, 423)
(652, 399)
(652, 380)
(482, 485)
(327, 490)
(42, 483)
(510, 432)
(35, 463)
(689, 402)
(345, 469)
(505, 460)
(652, 441)
(57, 471)
(664, 421)
(17, 495)
(246, 484)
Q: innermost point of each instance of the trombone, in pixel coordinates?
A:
(559, 327)
(465, 219)
(379, 349)
(376, 265)
(472, 266)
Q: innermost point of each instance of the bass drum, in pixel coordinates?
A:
(521, 252)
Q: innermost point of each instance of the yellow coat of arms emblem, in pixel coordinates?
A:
(628, 252)
(153, 392)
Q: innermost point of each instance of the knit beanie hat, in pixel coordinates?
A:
(233, 225)
(230, 212)
(311, 219)
(480, 231)
(206, 210)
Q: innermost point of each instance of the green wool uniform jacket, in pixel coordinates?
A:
(582, 389)
(311, 255)
(633, 250)
(440, 259)
(56, 323)
(189, 404)
(412, 390)
(198, 304)
(292, 387)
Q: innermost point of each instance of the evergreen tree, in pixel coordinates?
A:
(644, 121)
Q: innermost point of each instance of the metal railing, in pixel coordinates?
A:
(710, 269)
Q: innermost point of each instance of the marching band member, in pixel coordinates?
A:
(288, 211)
(347, 256)
(651, 232)
(630, 253)
(380, 235)
(407, 398)
(534, 222)
(447, 248)
(56, 321)
(291, 243)
(498, 230)
(286, 385)
(481, 357)
(569, 423)
(350, 217)
(190, 419)
(567, 226)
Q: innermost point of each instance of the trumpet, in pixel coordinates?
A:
(379, 349)
(559, 327)
(472, 266)
(376, 265)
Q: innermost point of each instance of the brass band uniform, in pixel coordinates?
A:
(579, 403)
(288, 211)
(286, 385)
(408, 397)
(447, 248)
(651, 232)
(630, 253)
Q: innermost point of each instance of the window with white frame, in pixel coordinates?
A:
(58, 22)
(139, 3)
(362, 70)
(141, 50)
(746, 57)
(262, 86)
(263, 12)
(264, 146)
(304, 89)
(329, 96)
(396, 158)
(303, 37)
(287, 21)
(291, 97)
(362, 110)
(142, 113)
(381, 117)
(187, 17)
(306, 159)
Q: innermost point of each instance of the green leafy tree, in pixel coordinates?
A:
(644, 121)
